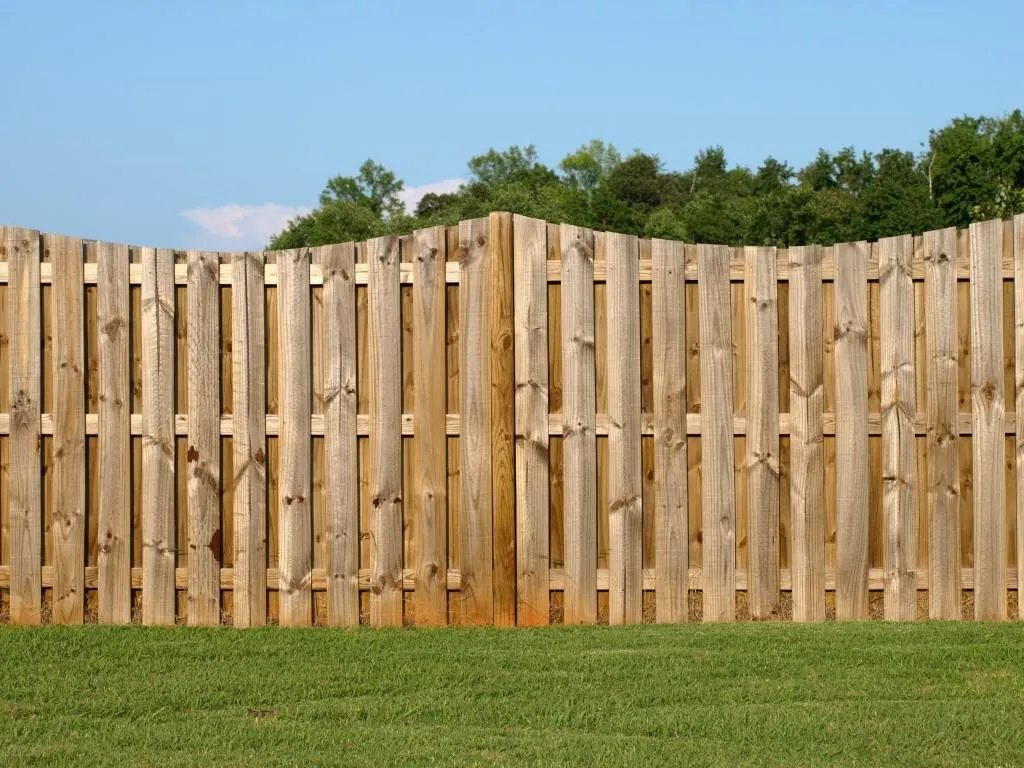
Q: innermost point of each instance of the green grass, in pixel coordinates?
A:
(778, 694)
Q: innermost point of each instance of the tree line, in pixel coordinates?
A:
(969, 170)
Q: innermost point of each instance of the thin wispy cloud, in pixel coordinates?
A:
(411, 196)
(240, 227)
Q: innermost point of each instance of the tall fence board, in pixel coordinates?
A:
(511, 422)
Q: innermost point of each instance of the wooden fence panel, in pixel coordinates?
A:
(718, 567)
(429, 497)
(204, 529)
(158, 450)
(671, 558)
(532, 442)
(69, 470)
(625, 510)
(899, 407)
(1018, 270)
(24, 329)
(502, 403)
(943, 433)
(988, 416)
(806, 436)
(763, 467)
(249, 443)
(579, 425)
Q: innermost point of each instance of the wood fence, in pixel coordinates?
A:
(511, 422)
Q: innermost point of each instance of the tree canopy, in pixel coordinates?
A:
(971, 169)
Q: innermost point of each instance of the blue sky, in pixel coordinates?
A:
(205, 124)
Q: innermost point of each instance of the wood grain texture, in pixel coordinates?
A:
(671, 525)
(340, 448)
(763, 467)
(249, 443)
(204, 529)
(295, 406)
(502, 402)
(113, 558)
(806, 440)
(428, 502)
(159, 546)
(625, 508)
(988, 409)
(898, 404)
(69, 470)
(385, 396)
(1018, 293)
(476, 603)
(579, 405)
(852, 481)
(717, 452)
(944, 593)
(532, 442)
(24, 483)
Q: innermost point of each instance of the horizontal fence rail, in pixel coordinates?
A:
(512, 422)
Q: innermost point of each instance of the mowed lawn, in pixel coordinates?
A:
(772, 694)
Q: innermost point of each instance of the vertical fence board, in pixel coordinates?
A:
(476, 602)
(532, 441)
(988, 414)
(762, 335)
(295, 597)
(625, 510)
(341, 479)
(579, 425)
(806, 441)
(113, 444)
(943, 433)
(428, 499)
(158, 449)
(899, 406)
(852, 481)
(385, 396)
(1018, 275)
(248, 440)
(24, 329)
(671, 558)
(204, 530)
(502, 403)
(69, 470)
(718, 497)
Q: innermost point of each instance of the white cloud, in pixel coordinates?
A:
(411, 196)
(240, 227)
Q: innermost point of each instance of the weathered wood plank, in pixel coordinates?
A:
(718, 490)
(851, 352)
(204, 529)
(806, 439)
(987, 407)
(24, 484)
(249, 442)
(69, 502)
(502, 402)
(762, 331)
(671, 526)
(1018, 265)
(428, 501)
(579, 405)
(899, 404)
(385, 391)
(295, 406)
(159, 546)
(340, 448)
(476, 604)
(113, 559)
(625, 509)
(532, 443)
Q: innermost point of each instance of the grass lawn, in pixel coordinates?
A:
(779, 694)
